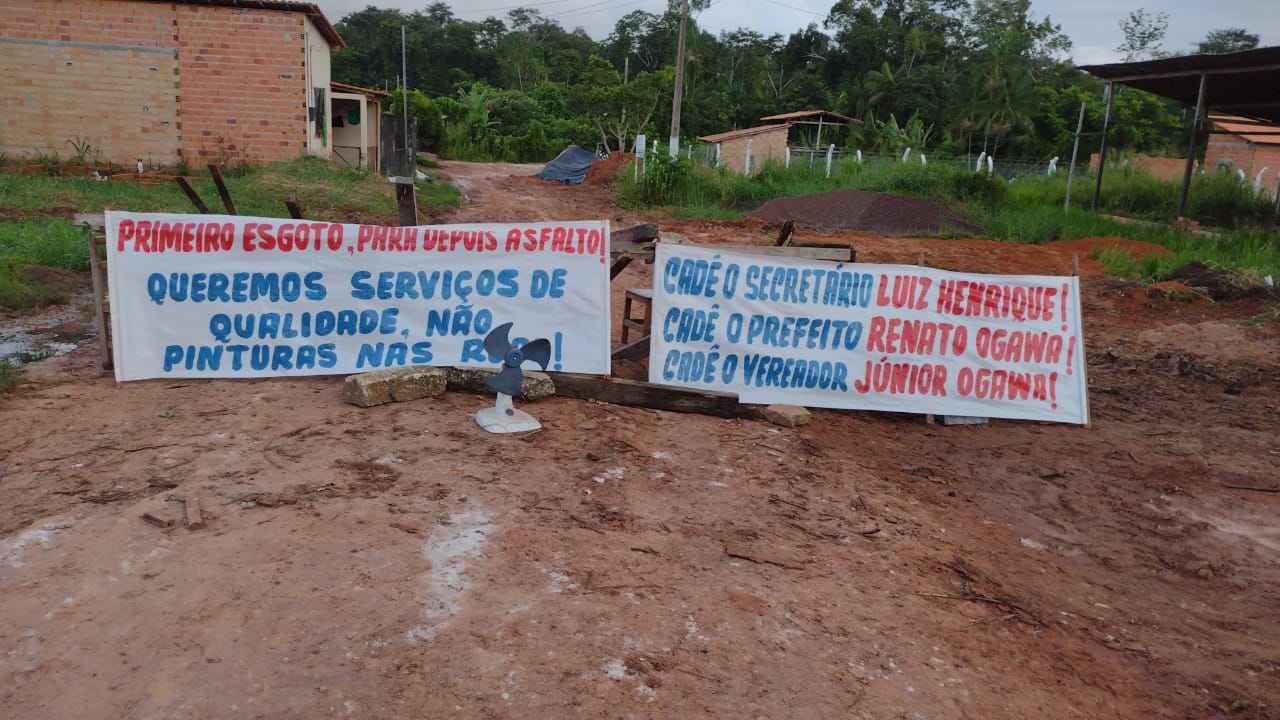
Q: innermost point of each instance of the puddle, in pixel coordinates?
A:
(18, 347)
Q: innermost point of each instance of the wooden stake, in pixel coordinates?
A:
(295, 210)
(225, 194)
(407, 201)
(192, 195)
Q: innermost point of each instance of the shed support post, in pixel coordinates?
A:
(1102, 150)
(1192, 142)
(1075, 150)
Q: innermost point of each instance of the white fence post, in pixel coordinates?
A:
(718, 162)
(787, 162)
(923, 160)
(906, 154)
(991, 165)
(637, 171)
(746, 168)
(830, 151)
(981, 159)
(859, 157)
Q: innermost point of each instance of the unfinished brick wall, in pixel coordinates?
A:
(111, 90)
(157, 81)
(765, 146)
(1247, 156)
(242, 88)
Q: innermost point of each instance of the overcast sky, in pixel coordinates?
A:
(1092, 25)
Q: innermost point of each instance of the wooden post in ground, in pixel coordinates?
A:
(216, 173)
(407, 201)
(192, 195)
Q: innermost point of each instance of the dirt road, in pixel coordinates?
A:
(398, 562)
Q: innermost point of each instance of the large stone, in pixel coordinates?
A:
(394, 385)
(536, 385)
(787, 415)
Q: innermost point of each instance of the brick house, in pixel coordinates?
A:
(191, 81)
(767, 142)
(1240, 145)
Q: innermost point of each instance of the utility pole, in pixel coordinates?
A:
(674, 148)
(404, 102)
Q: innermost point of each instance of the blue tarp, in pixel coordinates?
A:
(569, 167)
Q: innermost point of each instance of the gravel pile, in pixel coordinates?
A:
(875, 212)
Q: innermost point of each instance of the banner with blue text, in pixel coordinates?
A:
(211, 296)
(869, 337)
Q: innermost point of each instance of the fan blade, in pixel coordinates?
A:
(507, 382)
(538, 351)
(496, 342)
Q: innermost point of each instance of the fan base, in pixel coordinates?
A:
(502, 418)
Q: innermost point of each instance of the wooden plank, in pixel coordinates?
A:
(97, 273)
(638, 350)
(295, 210)
(637, 233)
(784, 235)
(644, 250)
(225, 194)
(837, 253)
(95, 221)
(637, 249)
(192, 195)
(620, 264)
(634, 393)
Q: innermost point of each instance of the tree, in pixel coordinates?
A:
(1143, 34)
(1227, 40)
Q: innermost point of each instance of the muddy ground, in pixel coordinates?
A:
(398, 562)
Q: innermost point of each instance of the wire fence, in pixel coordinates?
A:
(1010, 169)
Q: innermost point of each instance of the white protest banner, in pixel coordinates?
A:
(869, 337)
(204, 296)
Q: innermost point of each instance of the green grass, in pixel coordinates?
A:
(10, 376)
(438, 193)
(325, 190)
(19, 290)
(682, 189)
(54, 242)
(1029, 210)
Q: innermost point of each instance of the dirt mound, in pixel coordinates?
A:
(1094, 246)
(603, 171)
(869, 211)
(1220, 284)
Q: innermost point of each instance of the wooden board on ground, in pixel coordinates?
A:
(634, 393)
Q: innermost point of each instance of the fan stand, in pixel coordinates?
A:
(502, 418)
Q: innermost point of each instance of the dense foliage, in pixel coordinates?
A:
(970, 76)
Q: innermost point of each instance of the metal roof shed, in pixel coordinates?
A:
(1239, 83)
(812, 117)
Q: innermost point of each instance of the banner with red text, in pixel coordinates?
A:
(223, 296)
(871, 337)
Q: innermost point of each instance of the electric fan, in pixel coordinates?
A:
(502, 417)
